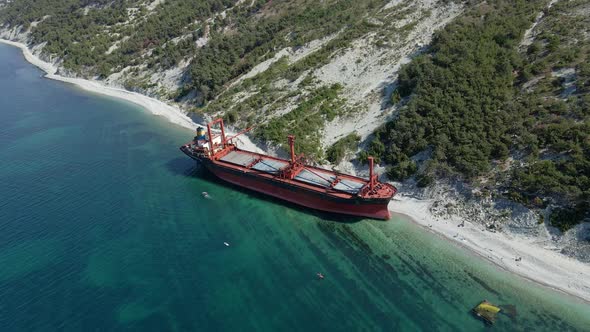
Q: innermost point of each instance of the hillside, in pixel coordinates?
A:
(503, 104)
(250, 61)
(489, 95)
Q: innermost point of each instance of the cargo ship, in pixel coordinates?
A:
(291, 179)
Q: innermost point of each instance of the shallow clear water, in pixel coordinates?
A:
(103, 227)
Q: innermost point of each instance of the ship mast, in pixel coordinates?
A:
(292, 147)
(213, 142)
(371, 176)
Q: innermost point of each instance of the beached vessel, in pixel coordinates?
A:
(291, 179)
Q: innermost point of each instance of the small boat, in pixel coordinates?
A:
(320, 276)
(226, 244)
(205, 194)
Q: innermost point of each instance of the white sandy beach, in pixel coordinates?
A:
(541, 265)
(157, 107)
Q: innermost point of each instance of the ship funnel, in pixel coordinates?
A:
(292, 147)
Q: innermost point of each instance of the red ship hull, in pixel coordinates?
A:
(292, 180)
(376, 209)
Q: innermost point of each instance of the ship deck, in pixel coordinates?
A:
(313, 178)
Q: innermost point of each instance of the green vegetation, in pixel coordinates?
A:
(81, 32)
(460, 90)
(98, 38)
(306, 121)
(338, 150)
(557, 116)
(337, 19)
(469, 112)
(479, 104)
(564, 219)
(402, 170)
(258, 33)
(25, 12)
(266, 96)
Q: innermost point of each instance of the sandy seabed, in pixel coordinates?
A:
(516, 254)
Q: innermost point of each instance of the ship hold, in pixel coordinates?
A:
(291, 180)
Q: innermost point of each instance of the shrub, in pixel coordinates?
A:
(338, 150)
(402, 170)
(566, 218)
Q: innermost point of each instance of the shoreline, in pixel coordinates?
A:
(152, 105)
(539, 265)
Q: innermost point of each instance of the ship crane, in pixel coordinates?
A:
(291, 179)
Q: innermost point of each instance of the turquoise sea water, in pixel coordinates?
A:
(103, 228)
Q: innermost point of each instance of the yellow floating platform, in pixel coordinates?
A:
(486, 311)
